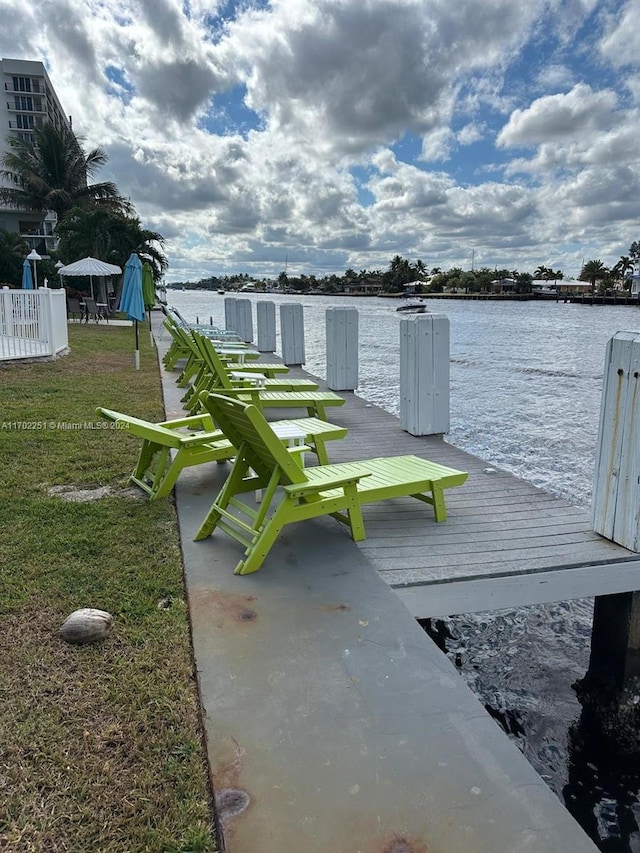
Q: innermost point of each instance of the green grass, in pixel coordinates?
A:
(101, 746)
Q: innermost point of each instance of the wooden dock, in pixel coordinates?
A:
(506, 543)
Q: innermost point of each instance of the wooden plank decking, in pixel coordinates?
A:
(505, 542)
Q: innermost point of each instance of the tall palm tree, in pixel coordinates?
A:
(52, 171)
(593, 271)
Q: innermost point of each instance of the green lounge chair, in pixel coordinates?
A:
(293, 493)
(220, 376)
(171, 446)
(315, 402)
(182, 348)
(178, 349)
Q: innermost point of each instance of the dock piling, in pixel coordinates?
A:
(424, 374)
(245, 320)
(266, 322)
(342, 348)
(231, 314)
(292, 334)
(616, 485)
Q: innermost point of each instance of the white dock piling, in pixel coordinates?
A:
(342, 348)
(231, 314)
(424, 374)
(292, 333)
(245, 320)
(266, 321)
(616, 482)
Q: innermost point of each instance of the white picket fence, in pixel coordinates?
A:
(33, 323)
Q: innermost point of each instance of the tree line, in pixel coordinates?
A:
(51, 171)
(402, 275)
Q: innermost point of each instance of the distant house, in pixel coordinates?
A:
(635, 284)
(564, 286)
(503, 285)
(366, 286)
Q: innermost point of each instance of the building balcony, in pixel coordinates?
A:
(36, 89)
(41, 110)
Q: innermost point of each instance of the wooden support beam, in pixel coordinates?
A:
(498, 592)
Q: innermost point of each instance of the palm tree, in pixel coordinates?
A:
(398, 274)
(109, 236)
(12, 252)
(51, 172)
(624, 266)
(593, 271)
(540, 272)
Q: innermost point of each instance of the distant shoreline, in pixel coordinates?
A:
(485, 297)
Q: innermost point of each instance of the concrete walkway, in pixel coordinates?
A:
(334, 724)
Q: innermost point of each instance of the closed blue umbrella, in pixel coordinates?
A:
(27, 278)
(131, 299)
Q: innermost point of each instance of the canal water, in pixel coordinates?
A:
(526, 382)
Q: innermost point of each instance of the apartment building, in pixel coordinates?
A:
(29, 102)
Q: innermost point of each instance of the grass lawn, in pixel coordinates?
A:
(101, 745)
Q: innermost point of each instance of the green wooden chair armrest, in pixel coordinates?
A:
(202, 438)
(249, 390)
(201, 421)
(299, 448)
(326, 481)
(142, 429)
(166, 450)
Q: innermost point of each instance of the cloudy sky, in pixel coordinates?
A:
(327, 134)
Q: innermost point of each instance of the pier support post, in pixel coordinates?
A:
(424, 374)
(615, 639)
(609, 690)
(231, 314)
(266, 322)
(245, 320)
(292, 333)
(616, 483)
(342, 348)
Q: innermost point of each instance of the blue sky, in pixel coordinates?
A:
(339, 133)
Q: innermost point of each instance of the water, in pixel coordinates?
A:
(526, 382)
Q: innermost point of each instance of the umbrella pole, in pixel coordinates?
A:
(153, 343)
(137, 355)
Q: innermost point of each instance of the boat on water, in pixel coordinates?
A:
(221, 292)
(412, 306)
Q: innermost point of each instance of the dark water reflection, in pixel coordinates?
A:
(526, 381)
(522, 663)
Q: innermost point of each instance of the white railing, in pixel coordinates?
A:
(33, 323)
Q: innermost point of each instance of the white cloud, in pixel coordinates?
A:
(304, 167)
(559, 117)
(621, 43)
(555, 76)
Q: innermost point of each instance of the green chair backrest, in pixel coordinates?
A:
(178, 334)
(212, 360)
(247, 429)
